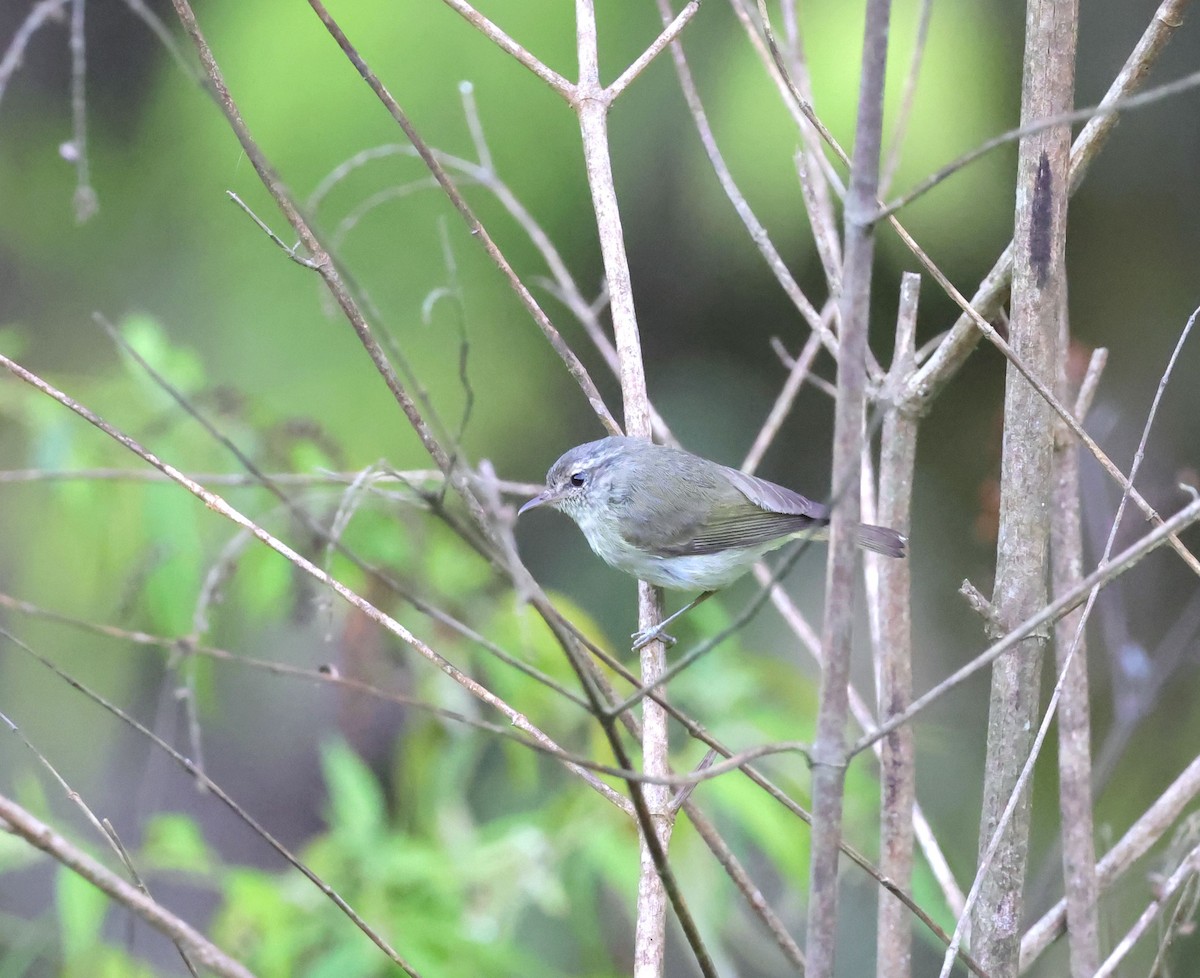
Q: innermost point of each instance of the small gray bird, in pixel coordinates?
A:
(679, 521)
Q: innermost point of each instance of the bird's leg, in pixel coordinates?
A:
(647, 635)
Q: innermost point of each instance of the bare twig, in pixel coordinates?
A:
(757, 232)
(829, 749)
(497, 36)
(672, 27)
(893, 654)
(1089, 114)
(741, 879)
(20, 822)
(1135, 843)
(782, 407)
(1074, 719)
(1102, 575)
(156, 27)
(40, 14)
(405, 478)
(907, 97)
(1184, 873)
(76, 151)
(288, 250)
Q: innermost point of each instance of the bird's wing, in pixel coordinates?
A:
(775, 498)
(721, 509)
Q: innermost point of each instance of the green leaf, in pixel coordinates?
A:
(356, 802)
(179, 365)
(81, 910)
(174, 841)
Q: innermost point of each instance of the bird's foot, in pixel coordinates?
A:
(645, 636)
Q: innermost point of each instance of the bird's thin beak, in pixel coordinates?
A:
(545, 497)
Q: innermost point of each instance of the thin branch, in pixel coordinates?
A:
(1074, 727)
(893, 653)
(21, 823)
(289, 250)
(1101, 576)
(1093, 112)
(497, 36)
(76, 151)
(404, 478)
(754, 228)
(1074, 719)
(829, 756)
(992, 292)
(797, 375)
(1133, 845)
(1184, 873)
(572, 362)
(42, 12)
(907, 97)
(750, 892)
(670, 32)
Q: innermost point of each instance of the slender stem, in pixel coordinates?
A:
(897, 762)
(671, 30)
(656, 886)
(1038, 294)
(502, 40)
(572, 362)
(1074, 719)
(1132, 846)
(1185, 874)
(1105, 573)
(829, 750)
(21, 823)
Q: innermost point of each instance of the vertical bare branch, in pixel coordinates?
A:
(829, 755)
(1038, 283)
(897, 772)
(1074, 719)
(76, 151)
(592, 107)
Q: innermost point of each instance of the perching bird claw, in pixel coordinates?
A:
(644, 636)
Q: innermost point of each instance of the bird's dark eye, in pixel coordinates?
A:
(577, 479)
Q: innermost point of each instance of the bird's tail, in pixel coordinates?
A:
(882, 540)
